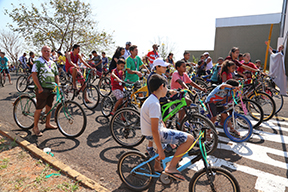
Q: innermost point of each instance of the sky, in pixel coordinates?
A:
(186, 24)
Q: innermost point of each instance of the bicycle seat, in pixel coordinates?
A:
(142, 99)
(31, 87)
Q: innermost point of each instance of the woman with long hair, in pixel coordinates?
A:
(118, 53)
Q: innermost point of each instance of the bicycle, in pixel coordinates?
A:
(70, 117)
(135, 170)
(90, 96)
(22, 81)
(128, 133)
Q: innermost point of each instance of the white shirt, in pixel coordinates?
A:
(126, 54)
(150, 109)
(209, 65)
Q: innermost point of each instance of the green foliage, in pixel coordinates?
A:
(194, 60)
(59, 24)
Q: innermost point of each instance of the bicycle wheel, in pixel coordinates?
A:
(134, 181)
(125, 127)
(241, 124)
(213, 179)
(278, 99)
(193, 124)
(267, 104)
(90, 97)
(107, 105)
(23, 112)
(21, 83)
(104, 86)
(69, 92)
(254, 112)
(71, 119)
(63, 77)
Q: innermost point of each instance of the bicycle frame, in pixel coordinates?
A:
(165, 107)
(133, 95)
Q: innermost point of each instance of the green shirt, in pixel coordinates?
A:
(46, 72)
(134, 65)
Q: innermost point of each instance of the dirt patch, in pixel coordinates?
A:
(20, 171)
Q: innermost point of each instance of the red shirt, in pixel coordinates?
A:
(115, 84)
(237, 63)
(250, 64)
(152, 56)
(228, 76)
(74, 59)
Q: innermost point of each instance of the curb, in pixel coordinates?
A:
(52, 161)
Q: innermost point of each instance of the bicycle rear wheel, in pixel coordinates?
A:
(134, 181)
(193, 124)
(21, 83)
(90, 97)
(107, 105)
(71, 119)
(125, 127)
(241, 124)
(278, 99)
(267, 104)
(213, 179)
(23, 112)
(104, 85)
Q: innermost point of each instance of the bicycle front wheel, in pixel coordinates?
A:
(125, 127)
(267, 104)
(23, 112)
(90, 97)
(104, 85)
(21, 83)
(107, 105)
(278, 99)
(135, 180)
(241, 124)
(71, 119)
(193, 124)
(213, 179)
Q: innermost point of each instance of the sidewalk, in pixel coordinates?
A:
(24, 167)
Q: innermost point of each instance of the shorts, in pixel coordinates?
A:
(118, 94)
(171, 136)
(99, 73)
(79, 75)
(214, 109)
(6, 71)
(44, 98)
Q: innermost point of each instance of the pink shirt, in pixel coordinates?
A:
(175, 76)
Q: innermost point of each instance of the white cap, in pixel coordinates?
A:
(159, 62)
(206, 53)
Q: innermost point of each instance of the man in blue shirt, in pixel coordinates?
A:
(4, 65)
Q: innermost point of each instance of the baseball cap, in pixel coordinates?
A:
(206, 53)
(128, 43)
(159, 62)
(220, 58)
(258, 60)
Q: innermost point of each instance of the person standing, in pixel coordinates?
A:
(30, 64)
(44, 72)
(152, 55)
(120, 51)
(127, 51)
(97, 63)
(133, 64)
(23, 61)
(4, 65)
(209, 63)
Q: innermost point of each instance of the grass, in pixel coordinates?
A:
(4, 163)
(68, 186)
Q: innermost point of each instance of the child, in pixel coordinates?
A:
(116, 82)
(219, 96)
(215, 78)
(201, 66)
(243, 72)
(179, 81)
(227, 70)
(153, 128)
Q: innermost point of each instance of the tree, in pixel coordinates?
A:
(59, 24)
(11, 44)
(165, 48)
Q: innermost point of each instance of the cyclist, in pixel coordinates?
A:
(44, 70)
(4, 65)
(152, 55)
(23, 61)
(219, 96)
(72, 66)
(30, 64)
(154, 129)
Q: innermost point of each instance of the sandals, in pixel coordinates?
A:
(173, 175)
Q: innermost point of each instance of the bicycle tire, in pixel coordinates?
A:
(63, 77)
(245, 131)
(125, 130)
(267, 104)
(132, 180)
(69, 92)
(92, 94)
(225, 181)
(254, 111)
(104, 86)
(193, 124)
(21, 83)
(278, 99)
(69, 119)
(107, 105)
(30, 106)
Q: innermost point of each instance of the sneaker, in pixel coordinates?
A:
(150, 151)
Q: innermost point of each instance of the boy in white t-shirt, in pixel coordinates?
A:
(153, 128)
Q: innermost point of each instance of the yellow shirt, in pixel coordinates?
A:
(62, 60)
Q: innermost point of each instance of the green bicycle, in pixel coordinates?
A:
(70, 117)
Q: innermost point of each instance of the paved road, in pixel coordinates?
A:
(259, 164)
